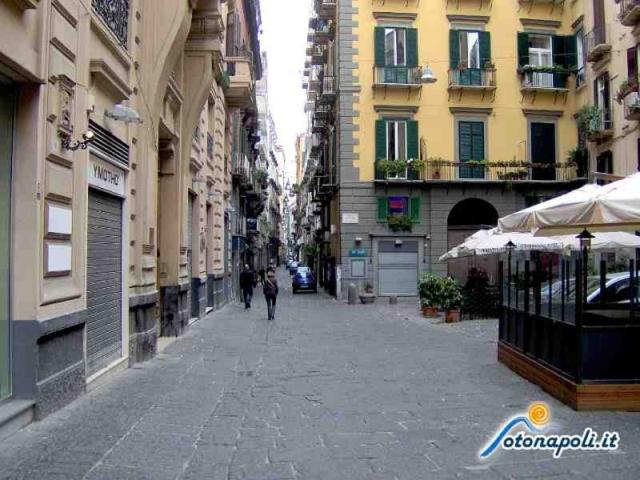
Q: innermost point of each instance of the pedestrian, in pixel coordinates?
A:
(270, 289)
(247, 282)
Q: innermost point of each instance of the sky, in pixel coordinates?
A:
(284, 38)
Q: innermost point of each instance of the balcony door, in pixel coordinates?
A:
(541, 55)
(471, 149)
(395, 55)
(543, 150)
(397, 144)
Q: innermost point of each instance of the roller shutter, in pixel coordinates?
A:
(104, 281)
(398, 268)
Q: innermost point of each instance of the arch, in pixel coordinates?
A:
(472, 212)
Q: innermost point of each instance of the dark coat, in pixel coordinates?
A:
(270, 288)
(247, 279)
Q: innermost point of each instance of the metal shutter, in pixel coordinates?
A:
(189, 252)
(398, 269)
(104, 281)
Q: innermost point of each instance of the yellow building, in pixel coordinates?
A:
(449, 115)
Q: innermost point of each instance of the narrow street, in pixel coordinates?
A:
(327, 391)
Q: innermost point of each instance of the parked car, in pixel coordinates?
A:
(293, 266)
(616, 289)
(304, 279)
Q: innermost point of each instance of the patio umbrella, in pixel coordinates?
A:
(608, 207)
(489, 242)
(602, 241)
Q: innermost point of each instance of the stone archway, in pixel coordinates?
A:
(466, 218)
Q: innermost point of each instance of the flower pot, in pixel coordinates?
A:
(452, 316)
(435, 176)
(430, 312)
(367, 298)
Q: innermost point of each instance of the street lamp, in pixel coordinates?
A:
(428, 75)
(585, 238)
(510, 246)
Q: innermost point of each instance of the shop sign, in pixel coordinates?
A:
(105, 176)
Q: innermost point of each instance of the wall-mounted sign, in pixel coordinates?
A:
(358, 252)
(57, 259)
(105, 176)
(59, 220)
(351, 217)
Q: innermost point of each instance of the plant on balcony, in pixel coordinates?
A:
(489, 65)
(223, 79)
(435, 164)
(547, 69)
(514, 175)
(261, 176)
(400, 223)
(416, 165)
(392, 168)
(626, 87)
(589, 119)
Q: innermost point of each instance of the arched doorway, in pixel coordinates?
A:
(466, 218)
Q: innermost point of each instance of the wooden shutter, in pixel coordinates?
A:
(599, 20)
(571, 52)
(414, 209)
(632, 64)
(607, 100)
(477, 141)
(454, 49)
(523, 49)
(464, 141)
(412, 140)
(381, 145)
(383, 209)
(412, 47)
(379, 46)
(557, 43)
(485, 48)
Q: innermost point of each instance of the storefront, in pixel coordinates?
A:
(6, 137)
(106, 308)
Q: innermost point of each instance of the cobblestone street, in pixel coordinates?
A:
(325, 392)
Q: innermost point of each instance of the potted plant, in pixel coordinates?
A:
(400, 223)
(392, 168)
(450, 299)
(367, 296)
(429, 292)
(436, 163)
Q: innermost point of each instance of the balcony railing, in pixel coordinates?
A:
(629, 12)
(240, 166)
(115, 13)
(328, 89)
(397, 76)
(472, 78)
(597, 44)
(326, 8)
(540, 80)
(600, 128)
(511, 171)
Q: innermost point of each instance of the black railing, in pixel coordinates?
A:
(473, 77)
(393, 75)
(500, 171)
(115, 13)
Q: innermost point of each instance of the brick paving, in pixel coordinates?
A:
(325, 392)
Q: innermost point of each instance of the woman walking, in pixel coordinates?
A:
(270, 289)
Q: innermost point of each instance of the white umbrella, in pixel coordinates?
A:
(611, 206)
(489, 242)
(602, 241)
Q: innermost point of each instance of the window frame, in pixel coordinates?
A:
(467, 54)
(396, 132)
(581, 58)
(396, 32)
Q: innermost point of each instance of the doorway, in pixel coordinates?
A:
(7, 106)
(543, 150)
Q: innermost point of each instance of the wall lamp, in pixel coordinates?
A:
(69, 144)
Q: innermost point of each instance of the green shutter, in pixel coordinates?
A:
(464, 141)
(379, 46)
(557, 43)
(381, 145)
(383, 209)
(412, 47)
(412, 140)
(571, 52)
(454, 49)
(523, 49)
(477, 141)
(485, 48)
(414, 209)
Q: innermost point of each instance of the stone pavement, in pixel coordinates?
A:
(325, 392)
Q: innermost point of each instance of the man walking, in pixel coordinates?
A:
(270, 289)
(247, 282)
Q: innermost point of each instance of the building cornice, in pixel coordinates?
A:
(395, 16)
(471, 110)
(468, 18)
(540, 23)
(396, 108)
(530, 112)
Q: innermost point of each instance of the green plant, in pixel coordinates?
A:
(429, 290)
(450, 295)
(392, 168)
(439, 162)
(223, 79)
(589, 119)
(261, 176)
(627, 86)
(400, 223)
(310, 249)
(416, 165)
(367, 287)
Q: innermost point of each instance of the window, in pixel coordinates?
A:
(470, 49)
(541, 55)
(602, 99)
(397, 142)
(399, 205)
(471, 148)
(604, 162)
(395, 41)
(580, 75)
(396, 139)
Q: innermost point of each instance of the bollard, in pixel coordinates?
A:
(352, 294)
(393, 300)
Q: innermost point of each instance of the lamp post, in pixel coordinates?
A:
(510, 246)
(585, 238)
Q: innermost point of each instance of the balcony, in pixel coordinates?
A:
(537, 80)
(510, 171)
(240, 167)
(629, 12)
(321, 32)
(328, 89)
(318, 54)
(397, 77)
(323, 112)
(319, 125)
(597, 44)
(481, 79)
(326, 9)
(632, 106)
(241, 83)
(600, 128)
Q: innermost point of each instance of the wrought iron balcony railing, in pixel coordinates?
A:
(473, 78)
(541, 80)
(397, 76)
(597, 44)
(629, 12)
(115, 13)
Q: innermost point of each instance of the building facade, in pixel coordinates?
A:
(447, 116)
(116, 157)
